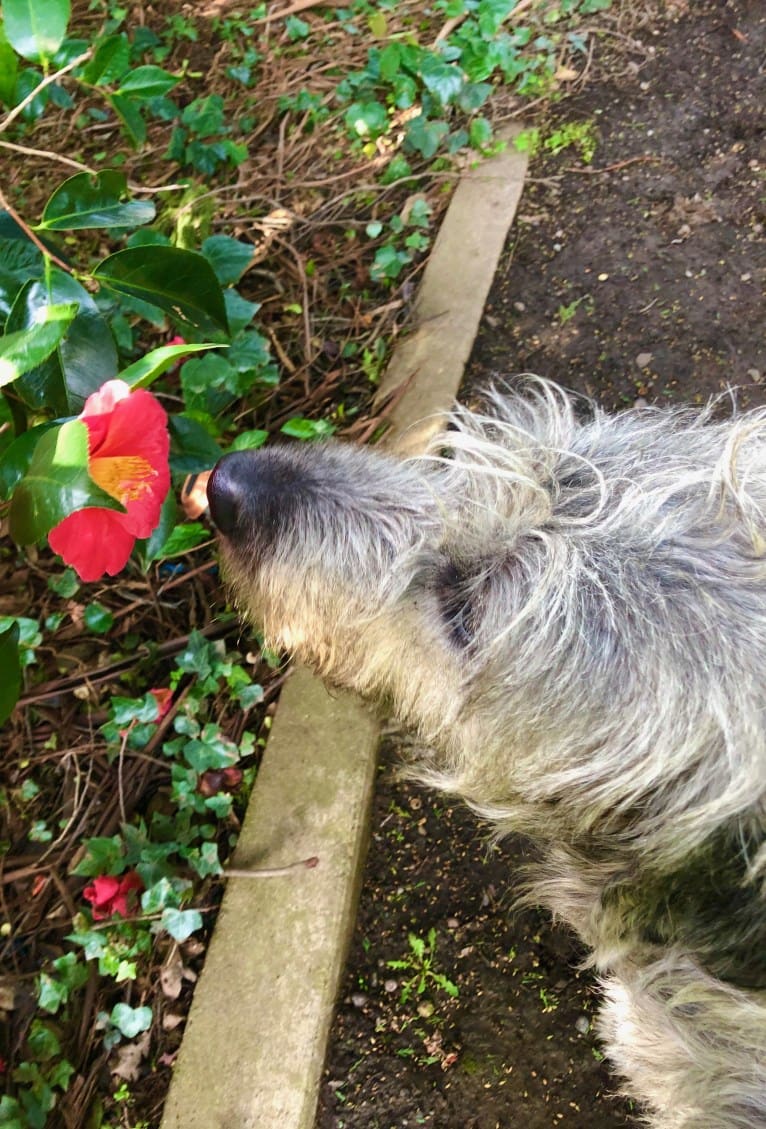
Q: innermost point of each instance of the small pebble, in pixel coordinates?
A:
(582, 1023)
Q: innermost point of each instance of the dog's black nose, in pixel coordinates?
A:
(226, 490)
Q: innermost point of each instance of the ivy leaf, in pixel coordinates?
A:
(131, 1021)
(443, 80)
(228, 257)
(181, 923)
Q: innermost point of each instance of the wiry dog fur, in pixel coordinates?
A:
(572, 612)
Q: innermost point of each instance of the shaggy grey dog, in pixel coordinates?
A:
(572, 612)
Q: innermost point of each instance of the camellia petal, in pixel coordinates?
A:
(128, 447)
(93, 542)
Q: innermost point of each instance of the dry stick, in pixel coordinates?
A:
(617, 165)
(14, 113)
(273, 871)
(72, 681)
(298, 6)
(47, 155)
(31, 235)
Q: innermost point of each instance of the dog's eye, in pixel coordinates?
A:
(454, 599)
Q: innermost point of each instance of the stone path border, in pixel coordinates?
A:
(256, 1038)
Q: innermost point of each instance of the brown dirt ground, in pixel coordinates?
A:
(641, 277)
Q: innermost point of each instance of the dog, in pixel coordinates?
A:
(570, 608)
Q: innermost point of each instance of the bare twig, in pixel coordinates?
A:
(14, 113)
(31, 235)
(47, 155)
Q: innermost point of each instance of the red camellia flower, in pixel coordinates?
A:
(128, 447)
(109, 895)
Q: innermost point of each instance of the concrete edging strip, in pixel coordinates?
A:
(256, 1038)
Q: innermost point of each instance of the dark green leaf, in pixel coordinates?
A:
(87, 354)
(128, 112)
(56, 484)
(111, 60)
(183, 539)
(443, 80)
(228, 257)
(239, 311)
(425, 136)
(15, 461)
(86, 201)
(102, 856)
(192, 448)
(97, 618)
(147, 82)
(150, 548)
(9, 67)
(180, 282)
(10, 683)
(26, 349)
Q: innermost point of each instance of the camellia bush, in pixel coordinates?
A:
(85, 459)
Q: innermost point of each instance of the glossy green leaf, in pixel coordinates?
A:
(56, 484)
(87, 353)
(149, 549)
(24, 350)
(110, 62)
(15, 461)
(130, 115)
(192, 448)
(9, 69)
(10, 683)
(97, 618)
(142, 372)
(249, 440)
(35, 28)
(183, 539)
(10, 284)
(147, 82)
(180, 282)
(85, 358)
(84, 201)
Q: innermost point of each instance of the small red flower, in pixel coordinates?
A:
(128, 446)
(164, 700)
(110, 895)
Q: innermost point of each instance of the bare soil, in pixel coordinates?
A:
(640, 277)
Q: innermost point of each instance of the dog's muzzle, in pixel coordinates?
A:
(226, 490)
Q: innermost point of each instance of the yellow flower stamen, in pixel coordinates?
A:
(125, 477)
